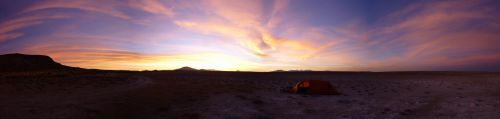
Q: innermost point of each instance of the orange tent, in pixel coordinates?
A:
(314, 87)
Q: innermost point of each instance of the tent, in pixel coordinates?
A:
(318, 87)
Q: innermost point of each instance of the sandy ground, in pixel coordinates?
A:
(229, 95)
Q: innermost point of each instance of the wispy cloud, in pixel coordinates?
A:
(109, 7)
(445, 31)
(9, 29)
(249, 26)
(152, 6)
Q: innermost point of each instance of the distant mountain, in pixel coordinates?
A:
(292, 70)
(23, 62)
(186, 68)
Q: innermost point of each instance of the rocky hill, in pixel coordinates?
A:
(23, 62)
(186, 68)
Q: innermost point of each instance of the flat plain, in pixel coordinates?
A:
(81, 93)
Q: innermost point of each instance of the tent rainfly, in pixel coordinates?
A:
(317, 87)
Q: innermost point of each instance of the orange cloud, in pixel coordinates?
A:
(111, 58)
(245, 24)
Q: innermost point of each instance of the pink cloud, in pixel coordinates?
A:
(152, 6)
(279, 8)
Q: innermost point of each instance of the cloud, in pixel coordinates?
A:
(109, 7)
(10, 29)
(436, 34)
(249, 26)
(30, 16)
(152, 6)
(41, 12)
(279, 8)
(5, 37)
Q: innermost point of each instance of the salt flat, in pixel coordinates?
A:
(247, 95)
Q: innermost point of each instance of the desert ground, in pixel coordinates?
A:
(92, 94)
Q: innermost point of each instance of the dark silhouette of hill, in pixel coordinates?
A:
(186, 68)
(23, 62)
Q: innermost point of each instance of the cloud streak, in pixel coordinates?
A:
(430, 34)
(108, 7)
(9, 29)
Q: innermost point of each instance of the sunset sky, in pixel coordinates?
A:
(253, 35)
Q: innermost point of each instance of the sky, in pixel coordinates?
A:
(257, 35)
